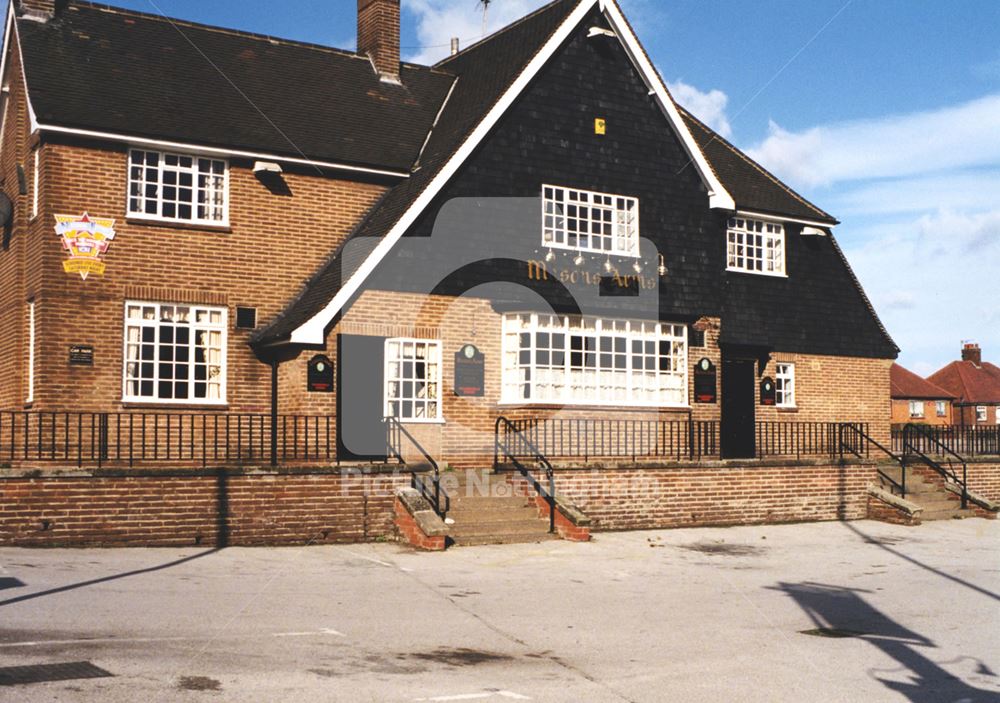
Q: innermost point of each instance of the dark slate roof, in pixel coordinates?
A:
(904, 384)
(114, 70)
(969, 382)
(750, 184)
(484, 72)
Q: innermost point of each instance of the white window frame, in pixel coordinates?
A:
(751, 245)
(35, 180)
(550, 376)
(432, 380)
(139, 323)
(617, 221)
(981, 413)
(31, 352)
(161, 167)
(917, 409)
(941, 408)
(784, 385)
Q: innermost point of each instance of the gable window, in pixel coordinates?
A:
(178, 187)
(584, 220)
(784, 385)
(755, 246)
(175, 353)
(412, 380)
(980, 413)
(593, 361)
(916, 408)
(941, 408)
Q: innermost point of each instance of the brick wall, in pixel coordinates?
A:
(194, 509)
(901, 413)
(984, 478)
(691, 496)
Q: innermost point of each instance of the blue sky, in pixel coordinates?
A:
(885, 113)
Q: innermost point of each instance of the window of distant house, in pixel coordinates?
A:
(583, 220)
(980, 413)
(175, 353)
(942, 408)
(413, 380)
(755, 246)
(916, 408)
(178, 187)
(593, 361)
(784, 385)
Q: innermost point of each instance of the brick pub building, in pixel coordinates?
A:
(229, 258)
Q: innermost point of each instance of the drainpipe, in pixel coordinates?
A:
(274, 413)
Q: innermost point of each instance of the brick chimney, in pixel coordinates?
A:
(42, 9)
(378, 35)
(972, 352)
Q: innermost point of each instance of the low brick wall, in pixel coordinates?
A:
(718, 494)
(197, 508)
(984, 479)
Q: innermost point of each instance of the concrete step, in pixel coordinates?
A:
(490, 512)
(957, 514)
(502, 538)
(520, 524)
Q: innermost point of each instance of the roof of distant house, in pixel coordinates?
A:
(969, 382)
(906, 385)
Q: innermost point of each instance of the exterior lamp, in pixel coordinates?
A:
(550, 256)
(662, 268)
(578, 259)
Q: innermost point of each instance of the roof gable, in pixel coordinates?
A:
(970, 383)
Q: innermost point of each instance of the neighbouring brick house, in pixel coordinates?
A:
(254, 228)
(915, 399)
(976, 386)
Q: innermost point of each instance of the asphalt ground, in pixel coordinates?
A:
(857, 611)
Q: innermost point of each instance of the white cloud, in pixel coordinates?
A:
(708, 107)
(965, 190)
(961, 136)
(440, 20)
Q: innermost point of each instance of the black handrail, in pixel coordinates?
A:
(511, 431)
(433, 494)
(860, 435)
(909, 447)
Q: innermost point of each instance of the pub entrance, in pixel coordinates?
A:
(361, 431)
(738, 408)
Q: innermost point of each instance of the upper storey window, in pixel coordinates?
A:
(178, 187)
(755, 246)
(583, 220)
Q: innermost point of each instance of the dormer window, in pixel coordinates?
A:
(583, 220)
(755, 246)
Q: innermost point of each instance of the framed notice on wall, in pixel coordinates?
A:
(470, 372)
(768, 392)
(705, 382)
(320, 375)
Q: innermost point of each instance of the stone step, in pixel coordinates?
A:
(501, 538)
(473, 501)
(516, 524)
(956, 514)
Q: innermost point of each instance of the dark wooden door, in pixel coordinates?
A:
(360, 389)
(738, 409)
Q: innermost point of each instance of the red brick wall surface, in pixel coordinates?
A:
(272, 509)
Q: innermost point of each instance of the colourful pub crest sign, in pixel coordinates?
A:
(86, 239)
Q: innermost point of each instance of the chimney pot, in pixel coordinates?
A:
(972, 352)
(43, 9)
(378, 35)
(454, 45)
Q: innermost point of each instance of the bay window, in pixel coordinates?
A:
(175, 353)
(178, 187)
(593, 361)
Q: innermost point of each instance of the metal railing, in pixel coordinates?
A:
(435, 494)
(511, 445)
(130, 439)
(916, 437)
(964, 440)
(853, 438)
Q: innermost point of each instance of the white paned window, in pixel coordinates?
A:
(996, 409)
(916, 408)
(980, 413)
(593, 361)
(784, 385)
(31, 352)
(583, 220)
(755, 246)
(942, 408)
(175, 353)
(413, 380)
(35, 180)
(178, 187)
